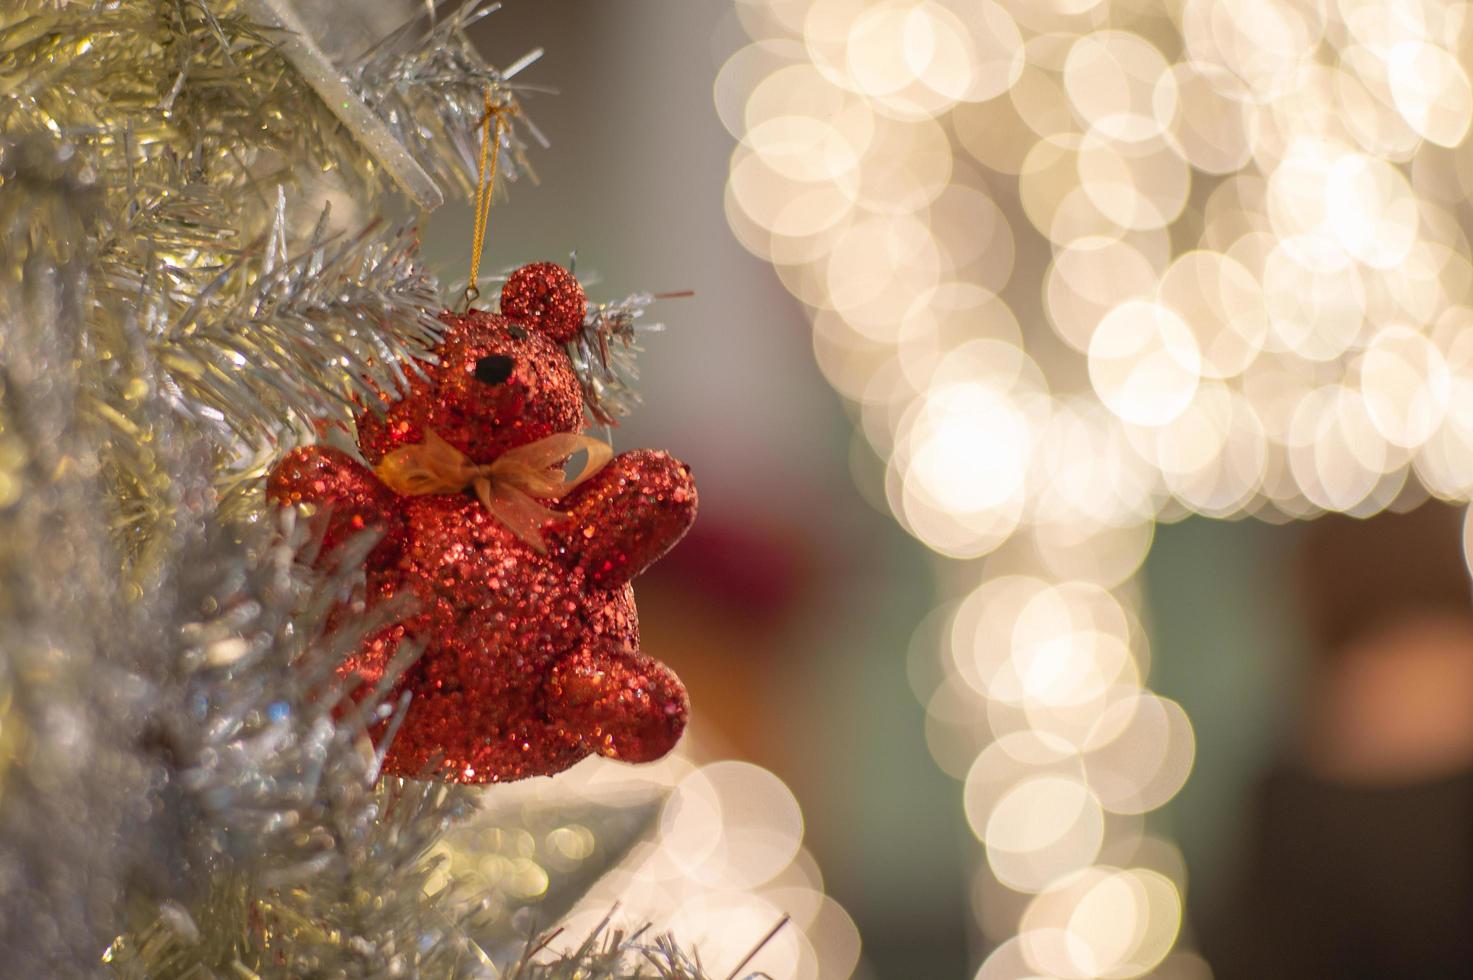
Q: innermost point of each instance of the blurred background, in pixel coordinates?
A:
(1025, 336)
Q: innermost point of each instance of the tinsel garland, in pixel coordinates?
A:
(184, 790)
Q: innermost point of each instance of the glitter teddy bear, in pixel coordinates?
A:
(519, 576)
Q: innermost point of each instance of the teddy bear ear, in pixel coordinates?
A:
(546, 298)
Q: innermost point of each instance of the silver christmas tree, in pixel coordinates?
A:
(197, 266)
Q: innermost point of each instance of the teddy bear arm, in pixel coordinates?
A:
(329, 480)
(627, 516)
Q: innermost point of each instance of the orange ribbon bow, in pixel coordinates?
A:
(509, 487)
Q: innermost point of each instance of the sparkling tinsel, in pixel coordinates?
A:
(604, 353)
(184, 790)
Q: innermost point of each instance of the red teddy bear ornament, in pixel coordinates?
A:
(519, 576)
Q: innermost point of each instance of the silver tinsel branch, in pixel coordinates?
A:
(252, 346)
(74, 778)
(185, 788)
(603, 354)
(427, 81)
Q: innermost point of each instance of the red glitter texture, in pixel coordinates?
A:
(531, 661)
(549, 294)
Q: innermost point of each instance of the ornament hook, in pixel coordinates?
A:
(493, 128)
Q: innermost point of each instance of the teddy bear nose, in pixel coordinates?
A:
(494, 368)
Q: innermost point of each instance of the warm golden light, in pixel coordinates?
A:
(1243, 286)
(723, 864)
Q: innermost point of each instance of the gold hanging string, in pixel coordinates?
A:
(493, 127)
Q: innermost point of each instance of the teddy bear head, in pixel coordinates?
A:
(499, 381)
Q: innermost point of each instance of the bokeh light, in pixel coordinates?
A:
(719, 860)
(1086, 264)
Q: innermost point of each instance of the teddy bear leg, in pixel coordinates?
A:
(628, 516)
(617, 702)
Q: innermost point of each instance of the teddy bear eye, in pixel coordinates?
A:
(494, 369)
